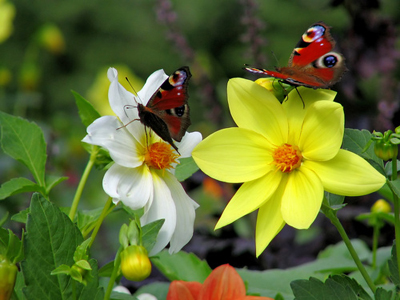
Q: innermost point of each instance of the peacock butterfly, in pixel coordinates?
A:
(312, 63)
(167, 112)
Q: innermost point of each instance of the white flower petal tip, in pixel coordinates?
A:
(112, 74)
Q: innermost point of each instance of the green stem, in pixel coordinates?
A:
(104, 213)
(375, 244)
(396, 213)
(82, 183)
(331, 214)
(73, 289)
(114, 274)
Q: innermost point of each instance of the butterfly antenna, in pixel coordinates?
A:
(133, 89)
(275, 57)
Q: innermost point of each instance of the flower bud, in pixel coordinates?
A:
(381, 206)
(135, 263)
(8, 274)
(385, 150)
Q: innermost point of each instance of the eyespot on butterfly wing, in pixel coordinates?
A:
(312, 63)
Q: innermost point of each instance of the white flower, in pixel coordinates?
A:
(142, 175)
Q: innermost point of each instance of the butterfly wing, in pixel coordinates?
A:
(167, 112)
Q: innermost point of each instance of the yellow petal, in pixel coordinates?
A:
(234, 155)
(269, 223)
(250, 196)
(322, 132)
(297, 104)
(254, 107)
(302, 198)
(347, 174)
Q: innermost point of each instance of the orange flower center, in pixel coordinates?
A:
(287, 158)
(160, 156)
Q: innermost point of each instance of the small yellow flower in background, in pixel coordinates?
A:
(7, 14)
(5, 76)
(51, 38)
(286, 155)
(98, 92)
(381, 206)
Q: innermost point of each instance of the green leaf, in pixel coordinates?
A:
(335, 259)
(355, 141)
(106, 270)
(14, 250)
(395, 186)
(22, 216)
(87, 112)
(394, 271)
(186, 168)
(337, 287)
(4, 218)
(84, 264)
(88, 218)
(382, 294)
(17, 186)
(181, 266)
(335, 201)
(24, 142)
(52, 181)
(150, 232)
(81, 251)
(63, 269)
(51, 240)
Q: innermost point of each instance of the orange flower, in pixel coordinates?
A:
(224, 283)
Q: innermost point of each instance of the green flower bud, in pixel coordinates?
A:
(8, 274)
(135, 263)
(385, 150)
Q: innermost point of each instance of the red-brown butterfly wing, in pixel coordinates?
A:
(173, 92)
(167, 112)
(314, 43)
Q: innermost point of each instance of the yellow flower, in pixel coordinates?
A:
(286, 155)
(7, 14)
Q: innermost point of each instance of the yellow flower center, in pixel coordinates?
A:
(286, 158)
(160, 156)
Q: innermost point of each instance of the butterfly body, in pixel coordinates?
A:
(167, 112)
(312, 62)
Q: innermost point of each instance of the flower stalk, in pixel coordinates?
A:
(396, 213)
(81, 185)
(104, 213)
(331, 215)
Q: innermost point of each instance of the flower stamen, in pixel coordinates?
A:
(160, 156)
(287, 157)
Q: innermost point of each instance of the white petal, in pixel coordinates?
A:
(122, 102)
(162, 207)
(146, 296)
(153, 83)
(185, 214)
(134, 187)
(188, 142)
(123, 148)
